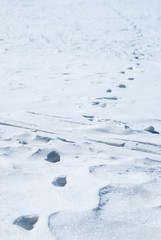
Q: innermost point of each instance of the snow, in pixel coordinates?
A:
(80, 119)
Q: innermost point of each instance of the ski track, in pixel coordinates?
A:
(80, 120)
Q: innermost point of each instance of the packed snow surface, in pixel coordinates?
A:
(80, 120)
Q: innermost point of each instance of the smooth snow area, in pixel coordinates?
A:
(80, 119)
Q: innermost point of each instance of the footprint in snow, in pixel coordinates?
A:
(130, 68)
(95, 103)
(22, 142)
(27, 222)
(151, 129)
(103, 105)
(89, 117)
(43, 139)
(108, 98)
(122, 72)
(53, 157)
(122, 86)
(108, 90)
(47, 154)
(60, 181)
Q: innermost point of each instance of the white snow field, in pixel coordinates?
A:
(80, 120)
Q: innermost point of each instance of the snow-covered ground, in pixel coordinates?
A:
(80, 117)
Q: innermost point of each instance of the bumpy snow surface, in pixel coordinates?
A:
(80, 120)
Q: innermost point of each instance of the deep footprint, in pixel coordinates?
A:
(122, 86)
(26, 222)
(151, 129)
(53, 157)
(60, 181)
(130, 68)
(122, 72)
(108, 90)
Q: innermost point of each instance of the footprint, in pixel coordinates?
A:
(65, 140)
(122, 86)
(151, 129)
(22, 142)
(60, 181)
(26, 222)
(130, 79)
(53, 157)
(122, 72)
(89, 117)
(43, 139)
(130, 68)
(109, 91)
(93, 168)
(95, 103)
(103, 105)
(108, 98)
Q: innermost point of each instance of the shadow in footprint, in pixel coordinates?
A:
(65, 140)
(130, 68)
(22, 142)
(26, 222)
(108, 90)
(103, 105)
(60, 181)
(90, 118)
(122, 86)
(151, 129)
(53, 157)
(95, 103)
